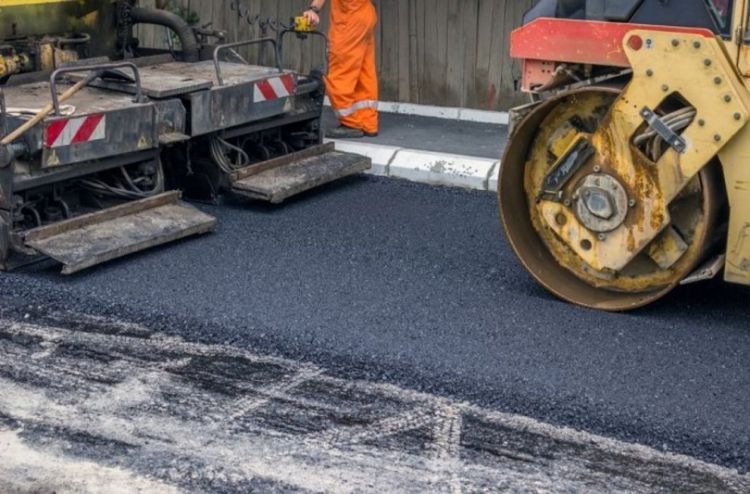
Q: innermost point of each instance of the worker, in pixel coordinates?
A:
(352, 82)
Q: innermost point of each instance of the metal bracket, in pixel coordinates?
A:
(567, 166)
(96, 71)
(670, 137)
(304, 35)
(707, 271)
(230, 46)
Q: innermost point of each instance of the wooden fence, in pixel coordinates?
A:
(440, 52)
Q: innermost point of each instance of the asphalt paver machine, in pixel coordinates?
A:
(629, 172)
(100, 137)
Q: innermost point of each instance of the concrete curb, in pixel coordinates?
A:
(381, 155)
(427, 167)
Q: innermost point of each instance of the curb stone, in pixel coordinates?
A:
(381, 155)
(426, 167)
(442, 169)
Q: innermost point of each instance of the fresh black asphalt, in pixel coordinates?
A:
(414, 285)
(436, 135)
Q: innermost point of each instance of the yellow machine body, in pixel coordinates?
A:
(44, 34)
(722, 102)
(44, 17)
(558, 174)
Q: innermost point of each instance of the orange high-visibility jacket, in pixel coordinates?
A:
(352, 81)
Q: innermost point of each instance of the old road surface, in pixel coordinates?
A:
(375, 336)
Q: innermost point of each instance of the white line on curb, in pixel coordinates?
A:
(443, 112)
(381, 155)
(441, 169)
(426, 167)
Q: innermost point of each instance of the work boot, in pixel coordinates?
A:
(344, 132)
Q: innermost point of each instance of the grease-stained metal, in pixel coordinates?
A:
(673, 193)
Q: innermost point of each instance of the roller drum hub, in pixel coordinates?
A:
(563, 205)
(602, 203)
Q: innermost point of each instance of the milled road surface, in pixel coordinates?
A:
(92, 404)
(397, 283)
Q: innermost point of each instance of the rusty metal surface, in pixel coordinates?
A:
(160, 81)
(545, 253)
(170, 79)
(584, 41)
(130, 126)
(735, 159)
(35, 18)
(171, 117)
(287, 159)
(699, 72)
(278, 183)
(232, 73)
(87, 100)
(212, 108)
(232, 105)
(126, 131)
(25, 180)
(95, 238)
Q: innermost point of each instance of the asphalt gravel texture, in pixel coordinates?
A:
(437, 135)
(408, 284)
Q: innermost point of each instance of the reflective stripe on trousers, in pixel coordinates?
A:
(359, 105)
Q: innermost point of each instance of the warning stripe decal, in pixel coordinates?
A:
(275, 88)
(80, 130)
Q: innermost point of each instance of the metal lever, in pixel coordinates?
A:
(96, 71)
(298, 33)
(220, 48)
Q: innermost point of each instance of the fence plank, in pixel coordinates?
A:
(415, 56)
(404, 50)
(454, 50)
(390, 47)
(469, 28)
(480, 91)
(443, 52)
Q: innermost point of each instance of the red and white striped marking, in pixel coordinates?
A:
(275, 88)
(66, 132)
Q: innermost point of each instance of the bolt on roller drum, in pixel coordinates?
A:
(559, 198)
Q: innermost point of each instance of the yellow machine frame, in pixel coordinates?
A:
(713, 75)
(611, 188)
(735, 159)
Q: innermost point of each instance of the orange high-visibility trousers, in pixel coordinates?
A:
(352, 81)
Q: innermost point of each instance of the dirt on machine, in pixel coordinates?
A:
(628, 173)
(102, 138)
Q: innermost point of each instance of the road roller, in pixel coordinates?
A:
(101, 136)
(628, 172)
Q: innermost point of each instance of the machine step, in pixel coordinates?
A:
(85, 241)
(279, 179)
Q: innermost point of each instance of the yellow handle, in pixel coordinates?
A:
(301, 25)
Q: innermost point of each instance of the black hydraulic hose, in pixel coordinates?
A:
(190, 46)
